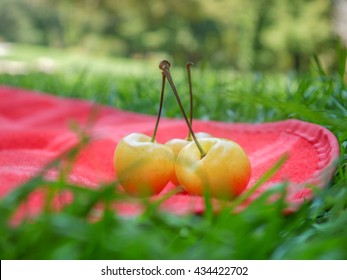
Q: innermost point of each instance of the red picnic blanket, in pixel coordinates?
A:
(35, 128)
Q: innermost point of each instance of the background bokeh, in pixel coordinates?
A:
(107, 52)
(245, 35)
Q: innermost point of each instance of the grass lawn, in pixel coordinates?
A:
(316, 231)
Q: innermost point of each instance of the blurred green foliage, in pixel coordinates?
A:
(246, 35)
(90, 228)
(273, 34)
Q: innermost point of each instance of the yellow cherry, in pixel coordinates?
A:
(177, 145)
(218, 166)
(143, 167)
(224, 171)
(201, 135)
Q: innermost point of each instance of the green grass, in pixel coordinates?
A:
(316, 231)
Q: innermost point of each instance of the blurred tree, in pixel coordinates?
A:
(16, 23)
(298, 28)
(248, 35)
(340, 19)
(241, 24)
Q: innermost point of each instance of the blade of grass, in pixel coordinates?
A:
(263, 179)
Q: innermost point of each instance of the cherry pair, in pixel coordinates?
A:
(199, 163)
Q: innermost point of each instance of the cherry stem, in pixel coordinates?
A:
(160, 109)
(188, 65)
(165, 67)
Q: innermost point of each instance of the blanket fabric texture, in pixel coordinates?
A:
(36, 128)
